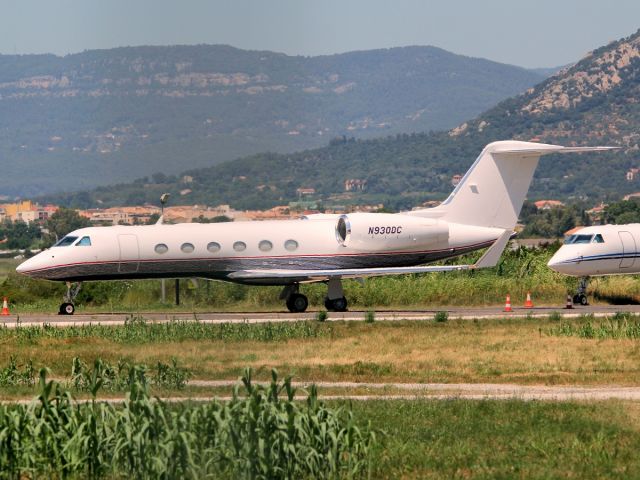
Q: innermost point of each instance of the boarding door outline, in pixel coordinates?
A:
(628, 249)
(129, 253)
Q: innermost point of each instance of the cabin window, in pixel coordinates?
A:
(213, 247)
(161, 248)
(187, 247)
(265, 245)
(597, 238)
(291, 245)
(84, 242)
(66, 241)
(239, 246)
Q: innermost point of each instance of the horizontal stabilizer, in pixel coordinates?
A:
(493, 254)
(545, 149)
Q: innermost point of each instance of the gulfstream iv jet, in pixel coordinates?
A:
(480, 212)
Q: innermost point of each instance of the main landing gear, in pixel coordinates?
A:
(297, 302)
(335, 300)
(581, 293)
(67, 307)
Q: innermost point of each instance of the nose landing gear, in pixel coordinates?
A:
(581, 293)
(67, 307)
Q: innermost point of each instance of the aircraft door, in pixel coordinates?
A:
(129, 253)
(628, 249)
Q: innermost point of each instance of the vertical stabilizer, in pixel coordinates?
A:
(492, 192)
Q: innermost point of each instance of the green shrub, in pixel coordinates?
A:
(441, 317)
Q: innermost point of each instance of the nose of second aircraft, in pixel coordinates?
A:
(564, 261)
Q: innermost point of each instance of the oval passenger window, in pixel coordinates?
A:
(239, 246)
(213, 247)
(161, 248)
(187, 247)
(265, 245)
(291, 245)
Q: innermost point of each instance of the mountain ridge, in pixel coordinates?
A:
(104, 116)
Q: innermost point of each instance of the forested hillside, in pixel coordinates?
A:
(104, 116)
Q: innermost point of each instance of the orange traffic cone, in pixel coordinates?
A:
(5, 307)
(528, 303)
(569, 304)
(507, 305)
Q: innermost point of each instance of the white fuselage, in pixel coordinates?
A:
(217, 250)
(599, 250)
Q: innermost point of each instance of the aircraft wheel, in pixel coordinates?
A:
(336, 305)
(297, 303)
(67, 309)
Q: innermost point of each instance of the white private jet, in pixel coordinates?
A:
(481, 211)
(598, 250)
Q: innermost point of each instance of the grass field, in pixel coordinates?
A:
(419, 438)
(526, 351)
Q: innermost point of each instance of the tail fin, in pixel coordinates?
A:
(492, 192)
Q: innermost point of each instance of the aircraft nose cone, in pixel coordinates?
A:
(23, 267)
(559, 263)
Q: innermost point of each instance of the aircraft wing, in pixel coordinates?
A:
(489, 259)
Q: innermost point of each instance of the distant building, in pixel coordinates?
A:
(548, 204)
(595, 214)
(305, 191)
(355, 184)
(455, 180)
(27, 211)
(632, 173)
(631, 195)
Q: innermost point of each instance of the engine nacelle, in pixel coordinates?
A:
(387, 231)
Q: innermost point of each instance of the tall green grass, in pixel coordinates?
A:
(261, 435)
(137, 330)
(618, 326)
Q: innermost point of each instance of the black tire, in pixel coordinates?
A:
(584, 301)
(67, 309)
(297, 303)
(328, 304)
(576, 299)
(336, 305)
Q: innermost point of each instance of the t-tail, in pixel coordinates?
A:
(492, 192)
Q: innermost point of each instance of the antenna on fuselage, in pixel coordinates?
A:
(163, 199)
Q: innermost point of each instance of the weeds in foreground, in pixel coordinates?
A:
(370, 316)
(441, 317)
(265, 434)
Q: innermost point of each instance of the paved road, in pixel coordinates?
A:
(261, 317)
(437, 391)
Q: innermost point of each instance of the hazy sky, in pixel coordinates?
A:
(533, 33)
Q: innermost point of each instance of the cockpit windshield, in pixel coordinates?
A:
(582, 238)
(84, 242)
(66, 241)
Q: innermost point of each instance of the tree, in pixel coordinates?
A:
(62, 222)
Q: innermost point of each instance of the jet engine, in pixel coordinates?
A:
(387, 231)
